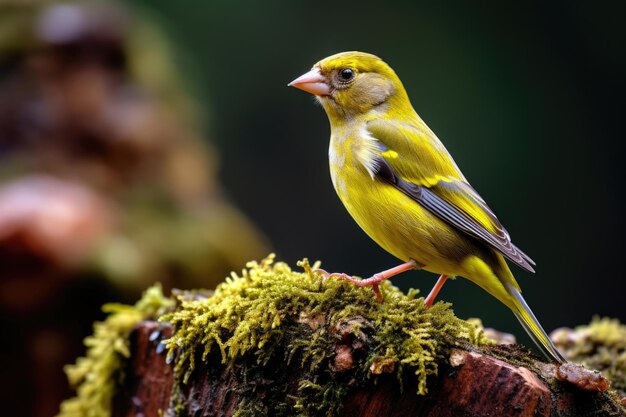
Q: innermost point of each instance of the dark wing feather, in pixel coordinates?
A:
(454, 216)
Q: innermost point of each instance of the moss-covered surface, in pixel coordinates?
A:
(271, 317)
(97, 375)
(599, 345)
(297, 344)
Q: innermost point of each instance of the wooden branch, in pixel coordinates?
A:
(471, 383)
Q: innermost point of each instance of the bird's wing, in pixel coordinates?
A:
(415, 154)
(417, 164)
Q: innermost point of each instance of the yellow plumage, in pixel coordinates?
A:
(403, 188)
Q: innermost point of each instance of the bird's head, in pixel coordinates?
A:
(350, 84)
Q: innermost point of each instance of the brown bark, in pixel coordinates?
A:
(472, 384)
(148, 380)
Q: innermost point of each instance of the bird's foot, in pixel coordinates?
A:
(325, 274)
(373, 281)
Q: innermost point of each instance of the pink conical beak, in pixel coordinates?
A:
(312, 82)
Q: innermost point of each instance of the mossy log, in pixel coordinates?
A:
(281, 343)
(470, 383)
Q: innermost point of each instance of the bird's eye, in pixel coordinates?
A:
(346, 74)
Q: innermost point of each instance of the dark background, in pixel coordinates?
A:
(528, 98)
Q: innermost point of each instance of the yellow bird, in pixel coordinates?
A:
(403, 188)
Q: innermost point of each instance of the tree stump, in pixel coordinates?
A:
(472, 383)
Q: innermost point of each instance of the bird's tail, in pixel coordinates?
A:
(530, 323)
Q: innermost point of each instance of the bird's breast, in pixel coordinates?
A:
(396, 222)
(352, 158)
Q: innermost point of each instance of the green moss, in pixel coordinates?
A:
(600, 345)
(271, 317)
(96, 375)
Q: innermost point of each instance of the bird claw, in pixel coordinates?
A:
(379, 296)
(373, 281)
(325, 274)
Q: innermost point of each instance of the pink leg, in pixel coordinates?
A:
(376, 279)
(433, 293)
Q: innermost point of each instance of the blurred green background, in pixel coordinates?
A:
(528, 98)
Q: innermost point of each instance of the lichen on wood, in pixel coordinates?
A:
(599, 345)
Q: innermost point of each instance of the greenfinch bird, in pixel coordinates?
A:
(403, 188)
